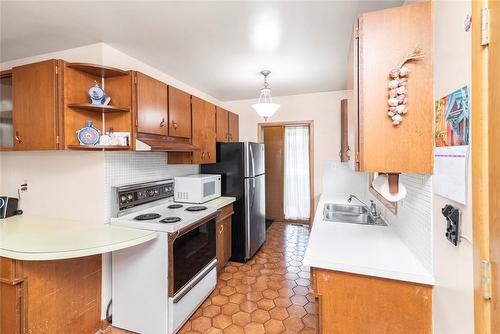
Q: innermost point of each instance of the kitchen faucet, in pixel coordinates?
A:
(372, 208)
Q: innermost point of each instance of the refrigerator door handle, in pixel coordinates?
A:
(252, 160)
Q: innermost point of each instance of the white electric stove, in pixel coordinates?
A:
(156, 286)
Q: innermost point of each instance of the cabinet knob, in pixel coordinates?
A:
(18, 138)
(175, 125)
(203, 155)
(209, 155)
(162, 123)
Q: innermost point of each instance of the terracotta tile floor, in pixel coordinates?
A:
(269, 294)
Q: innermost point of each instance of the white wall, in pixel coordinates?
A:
(323, 108)
(453, 302)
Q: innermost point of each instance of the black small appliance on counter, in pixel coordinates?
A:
(8, 207)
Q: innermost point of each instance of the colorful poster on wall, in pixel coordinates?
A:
(452, 119)
(452, 131)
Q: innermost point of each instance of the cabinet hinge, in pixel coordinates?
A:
(485, 26)
(135, 80)
(486, 279)
(57, 69)
(136, 123)
(57, 140)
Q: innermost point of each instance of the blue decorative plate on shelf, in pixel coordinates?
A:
(97, 94)
(88, 135)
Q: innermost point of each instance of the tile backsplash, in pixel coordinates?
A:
(413, 222)
(121, 168)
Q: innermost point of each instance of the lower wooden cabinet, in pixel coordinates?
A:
(62, 296)
(223, 248)
(350, 303)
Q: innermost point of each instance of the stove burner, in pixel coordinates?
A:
(196, 208)
(148, 216)
(175, 206)
(170, 220)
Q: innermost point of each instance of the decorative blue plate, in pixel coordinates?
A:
(88, 135)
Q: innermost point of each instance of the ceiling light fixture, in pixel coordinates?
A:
(265, 107)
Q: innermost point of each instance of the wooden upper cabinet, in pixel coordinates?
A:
(179, 113)
(204, 131)
(210, 133)
(222, 125)
(152, 105)
(35, 99)
(233, 127)
(383, 147)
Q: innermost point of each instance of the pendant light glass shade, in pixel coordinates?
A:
(265, 106)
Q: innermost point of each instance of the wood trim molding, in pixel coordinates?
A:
(310, 124)
(485, 141)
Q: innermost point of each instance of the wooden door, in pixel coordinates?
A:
(234, 127)
(344, 145)
(179, 113)
(152, 105)
(210, 133)
(383, 146)
(35, 96)
(274, 156)
(222, 125)
(486, 168)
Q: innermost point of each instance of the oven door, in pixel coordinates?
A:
(192, 250)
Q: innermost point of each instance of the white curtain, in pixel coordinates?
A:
(297, 196)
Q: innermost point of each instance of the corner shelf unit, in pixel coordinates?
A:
(98, 108)
(77, 109)
(98, 70)
(98, 147)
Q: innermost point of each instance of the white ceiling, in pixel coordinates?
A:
(216, 47)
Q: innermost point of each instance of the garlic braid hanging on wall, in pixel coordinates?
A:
(397, 87)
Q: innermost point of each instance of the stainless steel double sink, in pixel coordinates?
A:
(353, 214)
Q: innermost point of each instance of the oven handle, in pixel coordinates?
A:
(201, 275)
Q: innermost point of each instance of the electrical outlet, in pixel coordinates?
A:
(24, 187)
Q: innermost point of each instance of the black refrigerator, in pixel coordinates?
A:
(242, 168)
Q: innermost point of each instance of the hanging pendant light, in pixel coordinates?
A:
(265, 107)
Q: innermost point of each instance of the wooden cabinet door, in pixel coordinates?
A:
(344, 146)
(219, 248)
(35, 96)
(226, 230)
(210, 133)
(198, 120)
(222, 125)
(407, 147)
(179, 113)
(233, 125)
(152, 105)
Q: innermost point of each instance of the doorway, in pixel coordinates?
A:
(289, 170)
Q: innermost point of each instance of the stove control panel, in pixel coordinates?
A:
(132, 195)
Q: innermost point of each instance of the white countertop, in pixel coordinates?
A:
(361, 249)
(220, 202)
(27, 237)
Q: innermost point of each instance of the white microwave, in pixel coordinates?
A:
(197, 188)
